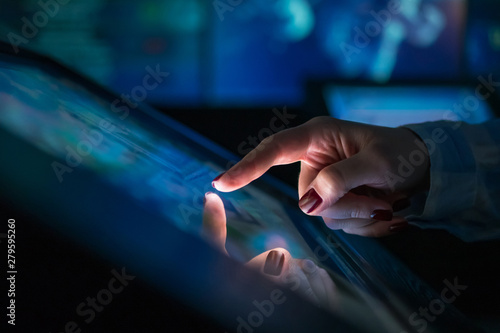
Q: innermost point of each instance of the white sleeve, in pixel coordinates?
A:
(464, 195)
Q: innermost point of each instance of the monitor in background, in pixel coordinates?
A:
(265, 53)
(399, 105)
(114, 41)
(483, 39)
(250, 54)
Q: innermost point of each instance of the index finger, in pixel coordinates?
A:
(285, 147)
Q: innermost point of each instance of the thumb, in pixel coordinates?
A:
(214, 222)
(335, 180)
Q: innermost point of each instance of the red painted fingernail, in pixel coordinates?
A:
(310, 201)
(217, 178)
(381, 215)
(397, 227)
(274, 263)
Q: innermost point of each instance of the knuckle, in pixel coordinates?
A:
(356, 213)
(334, 183)
(316, 120)
(267, 140)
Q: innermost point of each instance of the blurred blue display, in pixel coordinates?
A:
(266, 52)
(398, 105)
(483, 38)
(113, 41)
(256, 53)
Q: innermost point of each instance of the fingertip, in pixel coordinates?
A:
(216, 180)
(214, 221)
(211, 200)
(221, 186)
(273, 265)
(207, 194)
(225, 182)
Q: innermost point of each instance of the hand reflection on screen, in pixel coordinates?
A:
(300, 275)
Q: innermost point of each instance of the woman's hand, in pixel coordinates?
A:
(300, 275)
(353, 175)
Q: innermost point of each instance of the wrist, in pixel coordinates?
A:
(419, 157)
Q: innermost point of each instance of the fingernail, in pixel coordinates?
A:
(309, 266)
(381, 215)
(217, 178)
(397, 227)
(205, 197)
(401, 204)
(274, 263)
(310, 201)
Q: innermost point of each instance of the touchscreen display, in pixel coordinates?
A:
(396, 106)
(163, 171)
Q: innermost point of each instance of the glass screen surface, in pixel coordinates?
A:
(161, 169)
